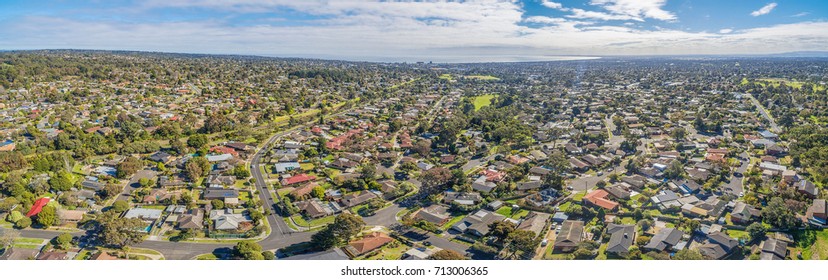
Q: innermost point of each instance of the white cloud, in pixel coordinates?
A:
(395, 31)
(637, 8)
(583, 14)
(764, 10)
(553, 5)
(802, 14)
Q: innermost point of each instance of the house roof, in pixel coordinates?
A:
(571, 233)
(599, 198)
(298, 179)
(621, 238)
(38, 206)
(369, 243)
(666, 237)
(774, 249)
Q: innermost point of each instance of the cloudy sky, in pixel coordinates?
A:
(409, 31)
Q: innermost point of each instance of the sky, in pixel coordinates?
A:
(454, 31)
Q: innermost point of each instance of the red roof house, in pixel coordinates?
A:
(38, 206)
(298, 179)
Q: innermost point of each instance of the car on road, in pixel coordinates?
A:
(741, 194)
(558, 229)
(600, 173)
(737, 174)
(426, 243)
(544, 242)
(610, 169)
(570, 188)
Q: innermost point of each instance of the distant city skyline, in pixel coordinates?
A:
(389, 31)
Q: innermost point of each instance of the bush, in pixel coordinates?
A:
(23, 223)
(120, 206)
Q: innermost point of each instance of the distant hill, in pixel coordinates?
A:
(801, 54)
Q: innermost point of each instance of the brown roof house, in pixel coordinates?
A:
(435, 214)
(367, 244)
(572, 232)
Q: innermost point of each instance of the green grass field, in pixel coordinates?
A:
(482, 77)
(482, 101)
(812, 244)
(507, 211)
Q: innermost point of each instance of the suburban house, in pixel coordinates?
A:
(773, 249)
(478, 223)
(227, 220)
(621, 238)
(435, 214)
(367, 244)
(718, 245)
(534, 222)
(192, 220)
(283, 167)
(743, 213)
(354, 199)
(228, 196)
(301, 178)
(665, 239)
(571, 234)
(598, 198)
(818, 212)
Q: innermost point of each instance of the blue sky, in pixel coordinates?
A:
(431, 30)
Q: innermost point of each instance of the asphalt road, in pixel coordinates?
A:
(736, 186)
(774, 127)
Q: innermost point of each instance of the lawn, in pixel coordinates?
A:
(388, 253)
(565, 206)
(482, 77)
(207, 257)
(507, 211)
(738, 234)
(306, 166)
(313, 223)
(627, 221)
(452, 221)
(29, 240)
(578, 196)
(481, 101)
(812, 244)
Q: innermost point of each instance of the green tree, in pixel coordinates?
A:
(61, 182)
(127, 167)
(120, 206)
(248, 250)
(197, 141)
(64, 241)
(23, 222)
(583, 254)
(779, 215)
(446, 254)
(501, 230)
(318, 192)
(47, 217)
(193, 170)
(117, 232)
(688, 254)
(522, 243)
(268, 255)
(344, 227)
(756, 231)
(217, 204)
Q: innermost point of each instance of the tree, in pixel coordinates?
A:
(368, 171)
(47, 217)
(674, 171)
(111, 190)
(120, 206)
(241, 172)
(193, 171)
(446, 254)
(217, 204)
(344, 227)
(8, 237)
(522, 242)
(197, 141)
(117, 232)
(23, 222)
(778, 214)
(688, 254)
(756, 231)
(64, 241)
(61, 182)
(145, 182)
(583, 254)
(678, 133)
(501, 230)
(268, 255)
(248, 250)
(127, 167)
(422, 147)
(318, 192)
